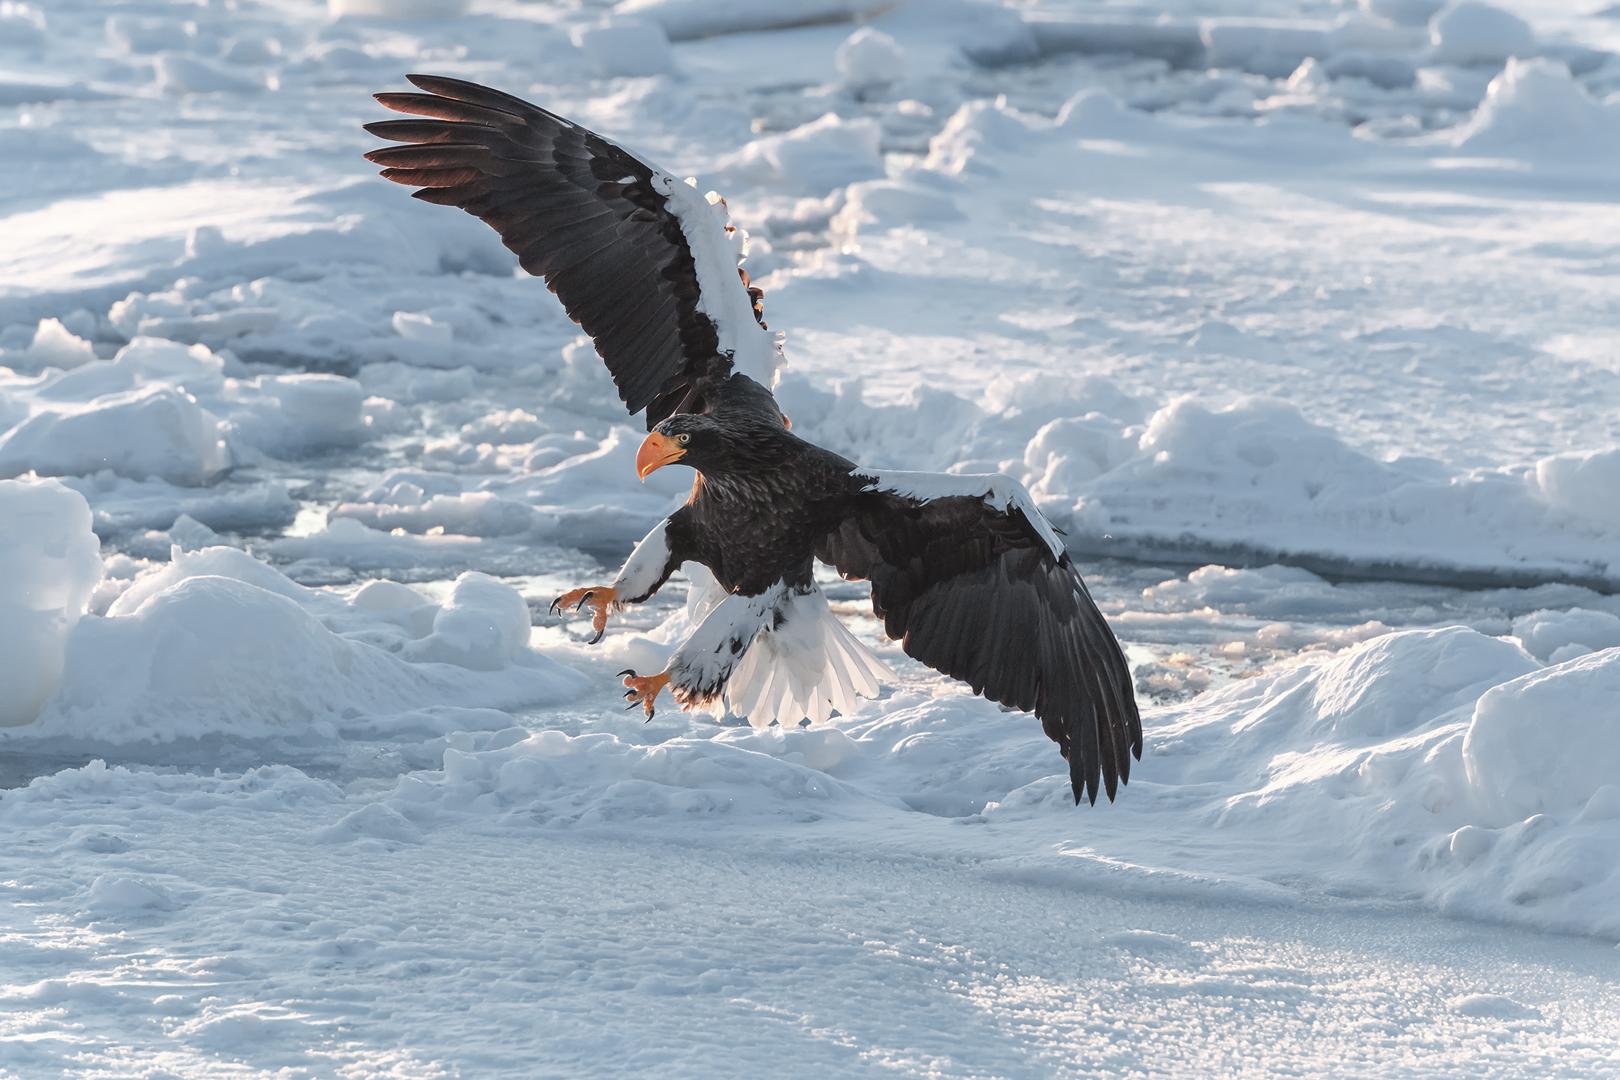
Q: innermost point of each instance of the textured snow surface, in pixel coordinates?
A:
(1294, 319)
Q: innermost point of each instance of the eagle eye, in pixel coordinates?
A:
(683, 438)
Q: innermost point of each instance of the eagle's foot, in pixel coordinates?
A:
(600, 597)
(643, 689)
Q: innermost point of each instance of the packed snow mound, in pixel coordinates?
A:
(1258, 476)
(1095, 113)
(1469, 32)
(869, 57)
(1536, 108)
(974, 134)
(484, 625)
(1440, 763)
(1563, 635)
(812, 159)
(54, 345)
(294, 415)
(219, 644)
(210, 561)
(1354, 695)
(155, 431)
(50, 563)
(559, 779)
(1583, 483)
(1548, 741)
(626, 47)
(685, 20)
(213, 655)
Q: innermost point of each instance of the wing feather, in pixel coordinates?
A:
(971, 585)
(646, 266)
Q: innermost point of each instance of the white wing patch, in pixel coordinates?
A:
(997, 490)
(644, 569)
(718, 249)
(809, 665)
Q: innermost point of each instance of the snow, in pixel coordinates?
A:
(398, 9)
(1546, 633)
(688, 19)
(628, 47)
(1293, 320)
(49, 564)
(214, 655)
(54, 345)
(1469, 32)
(154, 431)
(483, 625)
(1535, 109)
(1540, 744)
(812, 159)
(869, 57)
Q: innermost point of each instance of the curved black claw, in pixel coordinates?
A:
(555, 605)
(626, 671)
(582, 600)
(599, 635)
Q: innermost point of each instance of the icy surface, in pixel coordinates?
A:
(1295, 319)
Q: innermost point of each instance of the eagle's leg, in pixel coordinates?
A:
(702, 666)
(647, 568)
(698, 672)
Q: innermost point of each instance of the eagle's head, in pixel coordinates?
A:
(711, 446)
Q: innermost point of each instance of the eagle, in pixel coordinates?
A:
(965, 571)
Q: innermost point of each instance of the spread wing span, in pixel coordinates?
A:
(647, 266)
(969, 577)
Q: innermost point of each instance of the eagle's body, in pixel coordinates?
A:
(965, 571)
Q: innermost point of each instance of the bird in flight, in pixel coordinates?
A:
(966, 573)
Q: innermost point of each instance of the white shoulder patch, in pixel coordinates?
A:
(996, 489)
(718, 249)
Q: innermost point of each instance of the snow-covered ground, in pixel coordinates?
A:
(1297, 316)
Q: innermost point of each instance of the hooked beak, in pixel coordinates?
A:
(656, 452)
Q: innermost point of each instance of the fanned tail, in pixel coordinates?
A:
(808, 665)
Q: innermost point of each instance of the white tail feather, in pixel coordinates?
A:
(809, 666)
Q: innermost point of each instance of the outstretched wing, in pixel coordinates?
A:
(647, 266)
(971, 579)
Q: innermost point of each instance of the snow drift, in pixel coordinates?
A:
(218, 644)
(1442, 764)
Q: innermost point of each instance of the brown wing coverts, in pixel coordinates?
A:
(578, 211)
(974, 593)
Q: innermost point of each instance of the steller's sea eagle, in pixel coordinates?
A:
(965, 572)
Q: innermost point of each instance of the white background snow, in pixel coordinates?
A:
(1297, 316)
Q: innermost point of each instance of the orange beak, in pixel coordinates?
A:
(656, 452)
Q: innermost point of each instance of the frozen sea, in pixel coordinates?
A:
(1299, 318)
